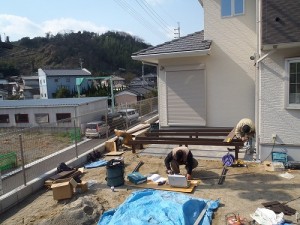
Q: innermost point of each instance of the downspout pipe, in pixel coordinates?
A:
(258, 74)
(257, 79)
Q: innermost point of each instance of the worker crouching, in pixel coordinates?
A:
(180, 156)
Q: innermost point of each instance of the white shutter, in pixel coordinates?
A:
(186, 99)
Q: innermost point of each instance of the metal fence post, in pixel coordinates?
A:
(75, 138)
(22, 159)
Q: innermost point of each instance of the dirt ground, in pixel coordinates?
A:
(242, 192)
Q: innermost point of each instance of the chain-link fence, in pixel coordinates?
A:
(28, 153)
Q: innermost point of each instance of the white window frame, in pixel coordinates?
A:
(289, 105)
(233, 9)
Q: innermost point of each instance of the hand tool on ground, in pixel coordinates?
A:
(138, 166)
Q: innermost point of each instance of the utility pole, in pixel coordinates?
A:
(80, 62)
(177, 31)
(143, 73)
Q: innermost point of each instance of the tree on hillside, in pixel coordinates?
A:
(103, 54)
(62, 92)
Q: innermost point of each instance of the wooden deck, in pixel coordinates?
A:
(201, 136)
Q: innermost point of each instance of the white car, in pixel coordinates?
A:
(130, 115)
(96, 129)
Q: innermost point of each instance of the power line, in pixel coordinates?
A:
(127, 7)
(147, 8)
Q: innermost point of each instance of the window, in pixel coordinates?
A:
(21, 118)
(63, 117)
(232, 8)
(56, 80)
(41, 117)
(4, 118)
(293, 84)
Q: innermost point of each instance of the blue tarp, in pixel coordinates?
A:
(95, 164)
(159, 207)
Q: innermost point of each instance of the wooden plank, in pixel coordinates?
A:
(195, 134)
(114, 154)
(166, 187)
(178, 139)
(230, 136)
(205, 129)
(140, 132)
(189, 142)
(62, 175)
(138, 128)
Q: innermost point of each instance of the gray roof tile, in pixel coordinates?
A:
(48, 102)
(68, 72)
(191, 42)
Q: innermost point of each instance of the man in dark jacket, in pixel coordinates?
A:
(180, 156)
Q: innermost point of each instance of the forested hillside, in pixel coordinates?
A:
(100, 54)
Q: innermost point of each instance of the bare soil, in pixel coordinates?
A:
(242, 192)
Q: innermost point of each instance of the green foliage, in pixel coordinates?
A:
(62, 92)
(101, 54)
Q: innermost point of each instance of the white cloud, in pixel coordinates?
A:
(68, 24)
(17, 27)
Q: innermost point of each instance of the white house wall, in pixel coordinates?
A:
(275, 118)
(31, 111)
(85, 113)
(161, 81)
(229, 71)
(43, 84)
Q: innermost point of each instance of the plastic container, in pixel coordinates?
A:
(115, 173)
(279, 157)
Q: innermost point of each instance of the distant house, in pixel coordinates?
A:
(3, 94)
(4, 85)
(138, 82)
(132, 95)
(51, 112)
(118, 82)
(151, 79)
(31, 87)
(50, 80)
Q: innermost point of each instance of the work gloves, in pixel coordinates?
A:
(169, 172)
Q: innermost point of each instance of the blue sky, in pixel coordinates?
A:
(155, 25)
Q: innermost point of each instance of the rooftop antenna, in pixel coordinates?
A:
(177, 31)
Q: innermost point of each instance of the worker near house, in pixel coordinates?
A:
(180, 156)
(245, 129)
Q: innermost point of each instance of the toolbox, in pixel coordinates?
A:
(279, 157)
(137, 178)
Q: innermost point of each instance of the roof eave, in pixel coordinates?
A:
(280, 46)
(154, 58)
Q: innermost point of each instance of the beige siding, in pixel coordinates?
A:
(230, 72)
(275, 118)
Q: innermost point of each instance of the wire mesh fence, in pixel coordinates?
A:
(27, 153)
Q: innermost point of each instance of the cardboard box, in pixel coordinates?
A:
(73, 183)
(63, 190)
(82, 187)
